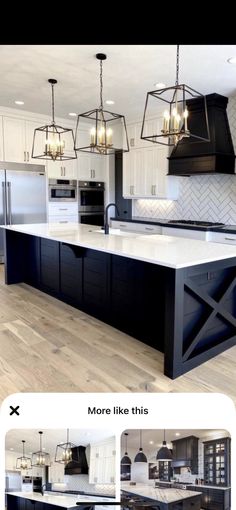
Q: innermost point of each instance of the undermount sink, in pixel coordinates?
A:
(117, 232)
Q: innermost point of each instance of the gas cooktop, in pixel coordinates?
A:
(197, 223)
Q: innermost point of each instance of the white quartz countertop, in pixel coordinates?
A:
(159, 495)
(65, 501)
(174, 252)
(199, 486)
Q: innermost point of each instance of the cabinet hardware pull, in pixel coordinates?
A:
(61, 209)
(64, 171)
(63, 221)
(149, 228)
(24, 155)
(230, 239)
(27, 156)
(123, 226)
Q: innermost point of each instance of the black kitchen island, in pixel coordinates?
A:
(162, 499)
(177, 295)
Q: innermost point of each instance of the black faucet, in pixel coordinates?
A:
(44, 486)
(106, 226)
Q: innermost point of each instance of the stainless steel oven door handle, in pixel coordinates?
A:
(9, 202)
(4, 202)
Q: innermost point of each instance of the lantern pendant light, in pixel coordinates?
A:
(100, 131)
(140, 457)
(164, 453)
(53, 142)
(175, 105)
(40, 458)
(126, 461)
(64, 452)
(23, 462)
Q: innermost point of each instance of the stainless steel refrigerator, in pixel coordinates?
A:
(22, 195)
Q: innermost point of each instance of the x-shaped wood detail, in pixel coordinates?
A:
(217, 308)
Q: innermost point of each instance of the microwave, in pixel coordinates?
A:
(62, 190)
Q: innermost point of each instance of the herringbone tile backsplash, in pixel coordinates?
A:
(205, 197)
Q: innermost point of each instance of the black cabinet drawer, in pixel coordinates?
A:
(95, 282)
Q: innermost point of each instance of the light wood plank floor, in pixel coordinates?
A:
(48, 346)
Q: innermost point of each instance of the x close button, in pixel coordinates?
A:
(14, 410)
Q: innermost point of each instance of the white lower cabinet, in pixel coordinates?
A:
(63, 212)
(224, 238)
(186, 232)
(137, 227)
(145, 174)
(102, 462)
(56, 473)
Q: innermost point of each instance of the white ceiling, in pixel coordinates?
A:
(157, 437)
(129, 73)
(51, 438)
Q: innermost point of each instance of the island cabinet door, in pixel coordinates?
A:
(14, 503)
(96, 283)
(32, 260)
(71, 265)
(50, 265)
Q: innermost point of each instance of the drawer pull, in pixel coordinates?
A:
(63, 221)
(65, 209)
(148, 228)
(230, 239)
(123, 226)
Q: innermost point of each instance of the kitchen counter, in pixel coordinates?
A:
(157, 249)
(174, 294)
(207, 486)
(163, 496)
(61, 500)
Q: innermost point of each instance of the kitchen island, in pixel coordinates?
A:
(175, 294)
(164, 499)
(37, 501)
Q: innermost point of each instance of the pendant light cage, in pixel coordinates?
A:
(64, 451)
(164, 454)
(40, 458)
(140, 456)
(23, 462)
(172, 107)
(101, 131)
(53, 142)
(126, 461)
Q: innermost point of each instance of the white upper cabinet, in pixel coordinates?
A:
(14, 140)
(30, 126)
(1, 140)
(145, 168)
(67, 169)
(91, 167)
(102, 462)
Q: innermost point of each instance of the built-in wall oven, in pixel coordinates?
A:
(62, 190)
(37, 483)
(91, 202)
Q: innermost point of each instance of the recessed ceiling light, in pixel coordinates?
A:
(43, 448)
(232, 60)
(19, 102)
(177, 434)
(151, 442)
(11, 449)
(109, 101)
(73, 114)
(160, 85)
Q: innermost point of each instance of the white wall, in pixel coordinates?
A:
(204, 197)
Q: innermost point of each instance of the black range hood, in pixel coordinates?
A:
(78, 464)
(214, 157)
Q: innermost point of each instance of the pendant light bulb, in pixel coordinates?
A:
(126, 461)
(140, 456)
